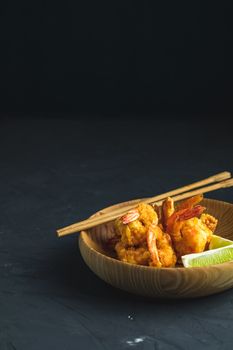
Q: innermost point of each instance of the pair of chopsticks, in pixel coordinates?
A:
(177, 195)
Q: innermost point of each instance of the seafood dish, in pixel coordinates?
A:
(159, 236)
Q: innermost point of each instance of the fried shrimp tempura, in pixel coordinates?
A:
(134, 232)
(142, 240)
(160, 247)
(159, 236)
(189, 228)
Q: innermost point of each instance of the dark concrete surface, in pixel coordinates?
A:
(57, 171)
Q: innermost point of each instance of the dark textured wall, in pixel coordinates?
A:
(90, 57)
(55, 172)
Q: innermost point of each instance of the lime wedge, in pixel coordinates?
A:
(219, 242)
(209, 257)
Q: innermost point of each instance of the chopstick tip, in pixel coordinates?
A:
(222, 176)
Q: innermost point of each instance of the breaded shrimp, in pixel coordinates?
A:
(156, 251)
(190, 236)
(160, 248)
(160, 236)
(132, 227)
(133, 255)
(190, 230)
(141, 240)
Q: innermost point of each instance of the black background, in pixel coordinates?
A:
(101, 103)
(112, 58)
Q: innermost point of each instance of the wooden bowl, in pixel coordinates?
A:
(159, 282)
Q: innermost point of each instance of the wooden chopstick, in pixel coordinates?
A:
(103, 219)
(91, 222)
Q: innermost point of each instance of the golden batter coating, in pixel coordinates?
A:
(190, 236)
(210, 221)
(133, 255)
(135, 232)
(167, 255)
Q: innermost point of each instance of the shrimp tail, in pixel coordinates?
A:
(132, 215)
(184, 214)
(190, 202)
(152, 246)
(167, 210)
(192, 212)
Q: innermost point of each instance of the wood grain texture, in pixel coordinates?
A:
(164, 282)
